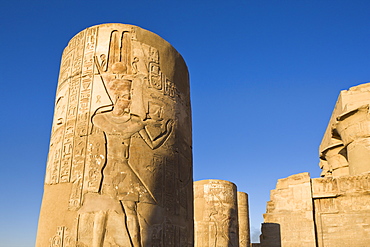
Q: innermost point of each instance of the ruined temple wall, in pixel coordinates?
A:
(289, 214)
(318, 212)
(339, 201)
(342, 211)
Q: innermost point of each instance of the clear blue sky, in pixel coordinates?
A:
(265, 76)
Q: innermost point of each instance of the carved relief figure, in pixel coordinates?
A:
(120, 179)
(223, 221)
(216, 216)
(220, 221)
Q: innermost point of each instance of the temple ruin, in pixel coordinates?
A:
(119, 170)
(332, 210)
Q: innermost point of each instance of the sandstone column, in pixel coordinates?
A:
(354, 129)
(346, 142)
(119, 170)
(335, 157)
(215, 213)
(243, 219)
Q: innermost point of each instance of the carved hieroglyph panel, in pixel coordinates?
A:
(120, 148)
(215, 213)
(343, 219)
(61, 238)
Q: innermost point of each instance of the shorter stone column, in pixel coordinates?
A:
(243, 217)
(215, 213)
(354, 129)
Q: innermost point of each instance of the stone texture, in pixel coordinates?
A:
(335, 163)
(340, 208)
(243, 219)
(354, 128)
(271, 236)
(215, 214)
(345, 147)
(119, 170)
(342, 212)
(290, 214)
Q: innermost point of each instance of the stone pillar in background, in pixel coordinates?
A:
(119, 170)
(243, 219)
(215, 214)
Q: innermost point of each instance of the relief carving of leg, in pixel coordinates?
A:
(99, 229)
(132, 222)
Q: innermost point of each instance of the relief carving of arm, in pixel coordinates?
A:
(157, 142)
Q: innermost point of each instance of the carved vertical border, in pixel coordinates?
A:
(83, 118)
(61, 238)
(74, 87)
(55, 153)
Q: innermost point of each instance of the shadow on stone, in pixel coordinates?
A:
(270, 236)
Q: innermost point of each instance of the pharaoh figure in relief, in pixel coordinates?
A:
(116, 157)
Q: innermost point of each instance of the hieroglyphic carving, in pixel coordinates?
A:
(344, 218)
(74, 88)
(61, 238)
(169, 88)
(155, 76)
(340, 210)
(324, 187)
(83, 118)
(169, 192)
(60, 116)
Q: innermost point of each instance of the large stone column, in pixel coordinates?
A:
(215, 214)
(345, 147)
(119, 170)
(354, 128)
(243, 219)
